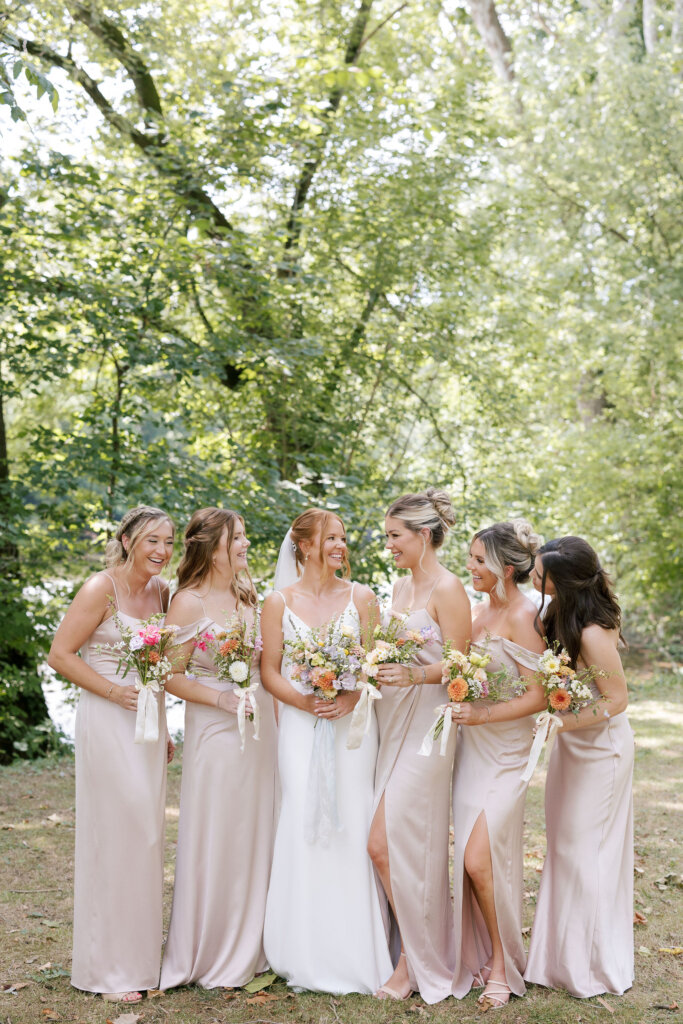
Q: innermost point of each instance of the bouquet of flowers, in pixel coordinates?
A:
(233, 650)
(565, 690)
(468, 680)
(388, 648)
(142, 650)
(324, 662)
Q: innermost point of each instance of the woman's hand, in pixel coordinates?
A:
(398, 675)
(470, 713)
(342, 705)
(228, 700)
(170, 748)
(125, 696)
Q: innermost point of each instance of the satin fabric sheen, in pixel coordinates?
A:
(324, 929)
(582, 936)
(416, 793)
(489, 762)
(225, 839)
(119, 859)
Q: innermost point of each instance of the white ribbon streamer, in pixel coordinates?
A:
(546, 727)
(442, 712)
(321, 815)
(361, 719)
(244, 694)
(147, 717)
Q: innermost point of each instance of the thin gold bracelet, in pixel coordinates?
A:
(110, 691)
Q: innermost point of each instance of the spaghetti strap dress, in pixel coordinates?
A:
(119, 857)
(416, 793)
(225, 837)
(489, 763)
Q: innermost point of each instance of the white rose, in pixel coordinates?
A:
(480, 675)
(136, 642)
(371, 670)
(347, 631)
(239, 671)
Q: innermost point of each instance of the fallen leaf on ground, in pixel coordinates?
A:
(127, 1018)
(51, 1015)
(262, 981)
(261, 998)
(45, 967)
(673, 1006)
(644, 951)
(603, 1002)
(639, 918)
(155, 993)
(230, 995)
(674, 950)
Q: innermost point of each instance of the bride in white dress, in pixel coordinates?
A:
(324, 927)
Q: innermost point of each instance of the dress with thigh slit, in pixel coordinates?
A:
(489, 763)
(416, 792)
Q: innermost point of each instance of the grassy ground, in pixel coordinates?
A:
(36, 875)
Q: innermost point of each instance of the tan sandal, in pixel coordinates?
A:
(121, 997)
(492, 996)
(478, 979)
(384, 992)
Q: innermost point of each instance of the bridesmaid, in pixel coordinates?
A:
(582, 937)
(225, 831)
(492, 752)
(120, 785)
(408, 839)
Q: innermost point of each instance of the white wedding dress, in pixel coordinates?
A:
(324, 928)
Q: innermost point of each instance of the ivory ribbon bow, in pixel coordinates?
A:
(147, 717)
(361, 719)
(546, 727)
(248, 691)
(442, 712)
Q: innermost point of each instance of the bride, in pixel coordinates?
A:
(324, 928)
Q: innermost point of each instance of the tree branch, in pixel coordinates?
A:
(485, 17)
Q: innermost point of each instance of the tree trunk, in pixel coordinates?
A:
(649, 26)
(485, 17)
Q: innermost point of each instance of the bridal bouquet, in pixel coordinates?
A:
(565, 690)
(233, 650)
(324, 661)
(388, 648)
(468, 680)
(142, 650)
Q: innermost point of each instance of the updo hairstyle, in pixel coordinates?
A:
(306, 526)
(202, 537)
(134, 525)
(510, 543)
(583, 593)
(430, 508)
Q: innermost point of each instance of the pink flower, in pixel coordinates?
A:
(151, 635)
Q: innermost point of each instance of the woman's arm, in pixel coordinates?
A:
(271, 657)
(599, 651)
(85, 613)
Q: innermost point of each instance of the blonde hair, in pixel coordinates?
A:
(134, 525)
(430, 508)
(305, 527)
(202, 537)
(514, 543)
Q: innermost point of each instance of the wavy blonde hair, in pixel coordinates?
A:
(135, 524)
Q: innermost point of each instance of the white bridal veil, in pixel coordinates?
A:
(286, 571)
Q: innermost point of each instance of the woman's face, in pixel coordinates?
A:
(333, 546)
(537, 578)
(405, 544)
(233, 561)
(483, 580)
(153, 550)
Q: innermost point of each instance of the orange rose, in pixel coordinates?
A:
(457, 689)
(400, 642)
(560, 700)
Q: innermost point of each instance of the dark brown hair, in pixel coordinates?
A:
(583, 594)
(202, 537)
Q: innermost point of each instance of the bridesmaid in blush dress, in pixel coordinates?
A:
(408, 840)
(120, 784)
(488, 792)
(582, 936)
(324, 929)
(225, 830)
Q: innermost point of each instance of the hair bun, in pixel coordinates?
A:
(527, 536)
(442, 505)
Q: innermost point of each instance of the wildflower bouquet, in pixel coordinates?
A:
(233, 650)
(142, 651)
(324, 661)
(565, 690)
(468, 680)
(392, 644)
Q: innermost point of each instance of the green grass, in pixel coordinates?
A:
(36, 874)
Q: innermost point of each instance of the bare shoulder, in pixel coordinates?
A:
(595, 637)
(523, 613)
(273, 601)
(185, 606)
(97, 589)
(363, 596)
(448, 587)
